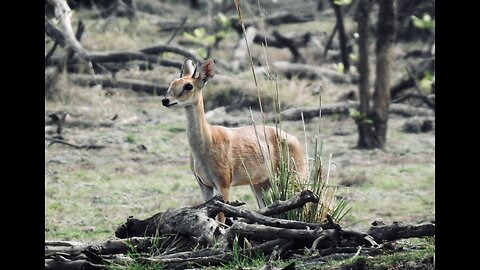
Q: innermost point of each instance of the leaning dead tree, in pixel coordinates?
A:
(173, 237)
(78, 58)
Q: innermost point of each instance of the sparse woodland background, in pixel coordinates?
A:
(113, 151)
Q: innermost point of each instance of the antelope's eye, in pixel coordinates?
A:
(188, 87)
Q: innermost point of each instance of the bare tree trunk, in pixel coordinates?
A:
(384, 51)
(320, 5)
(66, 37)
(194, 4)
(341, 35)
(364, 127)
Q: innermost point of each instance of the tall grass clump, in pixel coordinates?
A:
(285, 181)
(242, 258)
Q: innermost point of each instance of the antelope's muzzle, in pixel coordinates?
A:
(165, 102)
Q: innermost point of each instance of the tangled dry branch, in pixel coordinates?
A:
(172, 238)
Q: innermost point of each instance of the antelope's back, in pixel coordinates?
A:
(246, 153)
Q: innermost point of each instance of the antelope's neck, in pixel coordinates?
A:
(198, 130)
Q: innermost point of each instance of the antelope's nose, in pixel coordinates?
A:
(165, 102)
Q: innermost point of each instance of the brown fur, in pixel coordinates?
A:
(223, 157)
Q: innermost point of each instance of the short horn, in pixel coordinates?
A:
(194, 71)
(181, 72)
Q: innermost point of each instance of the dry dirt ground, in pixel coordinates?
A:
(143, 168)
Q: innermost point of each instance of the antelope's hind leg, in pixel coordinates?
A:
(258, 190)
(207, 192)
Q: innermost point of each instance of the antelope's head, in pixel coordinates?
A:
(186, 90)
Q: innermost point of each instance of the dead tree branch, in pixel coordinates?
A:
(208, 258)
(121, 57)
(60, 262)
(297, 201)
(261, 219)
(298, 41)
(310, 72)
(381, 232)
(126, 56)
(263, 232)
(51, 51)
(179, 230)
(343, 108)
(424, 98)
(106, 81)
(82, 146)
(184, 20)
(195, 221)
(173, 49)
(290, 44)
(288, 17)
(66, 37)
(341, 34)
(122, 246)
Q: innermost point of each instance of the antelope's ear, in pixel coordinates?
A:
(187, 68)
(206, 73)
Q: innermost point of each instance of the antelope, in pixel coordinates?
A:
(222, 157)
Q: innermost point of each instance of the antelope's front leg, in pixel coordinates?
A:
(225, 191)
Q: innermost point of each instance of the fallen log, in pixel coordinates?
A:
(278, 18)
(336, 108)
(310, 72)
(61, 119)
(168, 26)
(315, 237)
(76, 146)
(418, 124)
(122, 246)
(178, 231)
(409, 111)
(197, 222)
(61, 263)
(427, 100)
(343, 108)
(382, 233)
(288, 17)
(120, 57)
(106, 81)
(65, 39)
(173, 49)
(263, 232)
(209, 258)
(126, 56)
